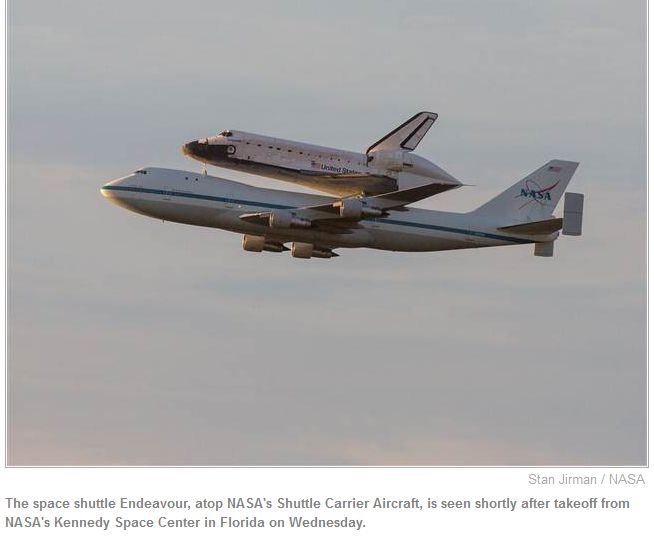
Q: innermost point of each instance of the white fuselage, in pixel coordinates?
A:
(191, 198)
(332, 170)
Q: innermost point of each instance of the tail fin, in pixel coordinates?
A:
(407, 135)
(535, 196)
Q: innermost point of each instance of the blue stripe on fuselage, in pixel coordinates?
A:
(276, 206)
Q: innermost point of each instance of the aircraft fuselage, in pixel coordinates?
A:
(332, 170)
(195, 199)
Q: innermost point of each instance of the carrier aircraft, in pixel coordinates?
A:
(314, 226)
(387, 165)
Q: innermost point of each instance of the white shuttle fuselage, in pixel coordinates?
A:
(386, 166)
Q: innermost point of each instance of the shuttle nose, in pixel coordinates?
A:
(208, 152)
(195, 149)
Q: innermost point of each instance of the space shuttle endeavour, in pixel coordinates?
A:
(387, 165)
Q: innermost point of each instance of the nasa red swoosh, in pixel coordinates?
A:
(550, 188)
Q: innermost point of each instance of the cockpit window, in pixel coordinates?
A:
(141, 172)
(226, 133)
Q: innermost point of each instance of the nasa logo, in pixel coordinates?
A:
(534, 193)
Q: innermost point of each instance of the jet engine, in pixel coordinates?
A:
(305, 250)
(353, 209)
(301, 250)
(285, 220)
(392, 160)
(254, 243)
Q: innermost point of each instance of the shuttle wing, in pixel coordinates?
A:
(347, 184)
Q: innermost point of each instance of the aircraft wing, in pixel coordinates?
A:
(322, 174)
(347, 184)
(344, 214)
(387, 201)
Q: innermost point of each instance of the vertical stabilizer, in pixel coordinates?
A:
(534, 197)
(407, 135)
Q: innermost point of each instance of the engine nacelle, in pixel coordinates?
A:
(323, 253)
(286, 220)
(253, 243)
(351, 208)
(303, 250)
(354, 209)
(276, 247)
(393, 160)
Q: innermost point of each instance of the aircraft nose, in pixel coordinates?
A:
(195, 149)
(208, 151)
(113, 190)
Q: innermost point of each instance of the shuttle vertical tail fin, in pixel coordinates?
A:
(407, 135)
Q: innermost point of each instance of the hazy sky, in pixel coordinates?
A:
(137, 342)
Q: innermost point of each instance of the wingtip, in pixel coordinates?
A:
(564, 162)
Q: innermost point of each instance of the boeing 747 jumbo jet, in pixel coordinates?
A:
(316, 225)
(388, 165)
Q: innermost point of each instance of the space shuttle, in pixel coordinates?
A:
(387, 165)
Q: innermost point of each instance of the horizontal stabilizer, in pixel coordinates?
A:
(543, 227)
(407, 135)
(573, 212)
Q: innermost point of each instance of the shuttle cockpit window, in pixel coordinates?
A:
(141, 172)
(226, 133)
